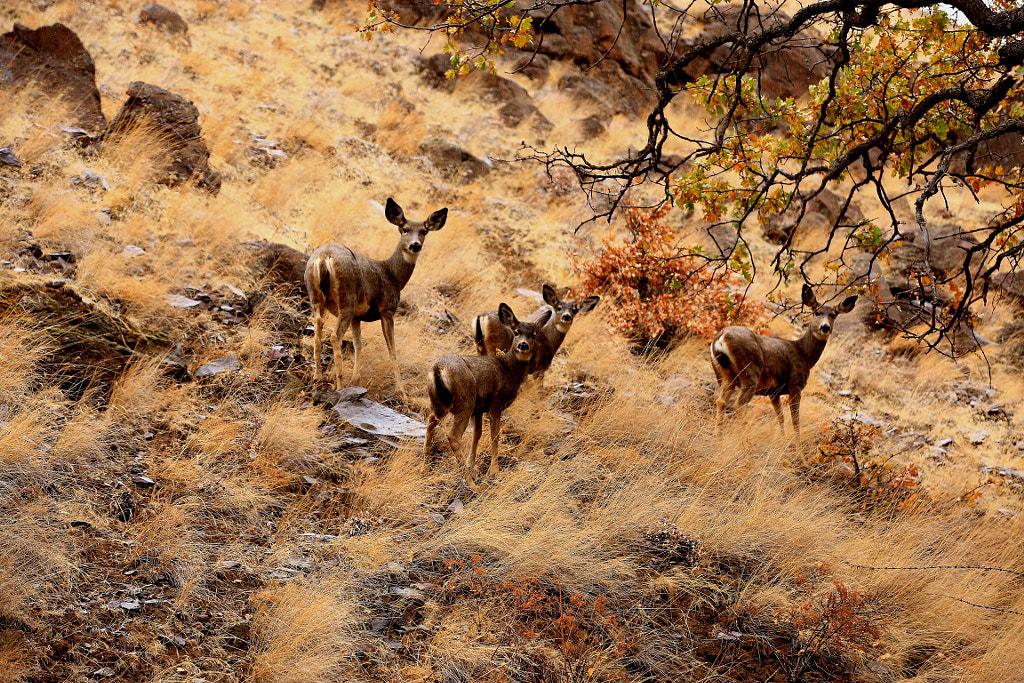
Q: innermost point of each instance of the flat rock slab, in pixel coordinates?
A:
(382, 422)
(228, 363)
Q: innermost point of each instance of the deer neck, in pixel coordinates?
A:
(553, 334)
(400, 266)
(810, 347)
(517, 368)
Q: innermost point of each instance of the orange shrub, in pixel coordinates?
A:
(657, 291)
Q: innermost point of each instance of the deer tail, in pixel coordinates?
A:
(439, 387)
(326, 271)
(478, 335)
(720, 352)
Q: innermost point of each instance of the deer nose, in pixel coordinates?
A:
(566, 318)
(826, 328)
(415, 247)
(523, 346)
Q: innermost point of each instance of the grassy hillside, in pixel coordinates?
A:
(160, 526)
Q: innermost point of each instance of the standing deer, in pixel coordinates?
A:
(492, 337)
(357, 289)
(757, 364)
(469, 386)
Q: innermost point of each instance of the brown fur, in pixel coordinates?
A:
(492, 337)
(770, 366)
(357, 289)
(469, 386)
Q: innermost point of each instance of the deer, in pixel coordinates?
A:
(356, 289)
(771, 366)
(492, 337)
(469, 386)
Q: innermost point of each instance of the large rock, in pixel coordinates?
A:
(53, 60)
(941, 250)
(514, 104)
(1011, 284)
(613, 41)
(279, 265)
(454, 162)
(176, 121)
(163, 18)
(821, 213)
(621, 33)
(1005, 151)
(786, 71)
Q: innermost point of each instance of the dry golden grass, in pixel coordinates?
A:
(306, 632)
(138, 391)
(580, 486)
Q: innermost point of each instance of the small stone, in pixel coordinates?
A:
(131, 605)
(140, 480)
(8, 158)
(174, 640)
(297, 562)
(228, 363)
(105, 672)
(92, 180)
(148, 436)
(351, 393)
(131, 251)
(436, 517)
(410, 593)
(455, 507)
(179, 301)
(863, 418)
(230, 564)
(945, 443)
(977, 437)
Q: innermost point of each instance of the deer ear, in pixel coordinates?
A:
(393, 212)
(436, 220)
(847, 305)
(545, 318)
(588, 304)
(810, 301)
(505, 316)
(550, 296)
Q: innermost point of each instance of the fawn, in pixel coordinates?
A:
(469, 386)
(492, 337)
(762, 365)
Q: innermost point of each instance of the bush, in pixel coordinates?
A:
(657, 291)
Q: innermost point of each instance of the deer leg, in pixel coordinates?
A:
(777, 404)
(339, 332)
(318, 336)
(746, 394)
(387, 325)
(357, 345)
(478, 427)
(724, 394)
(794, 411)
(428, 442)
(495, 424)
(458, 429)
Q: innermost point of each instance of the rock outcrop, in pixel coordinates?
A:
(175, 121)
(53, 61)
(821, 213)
(163, 18)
